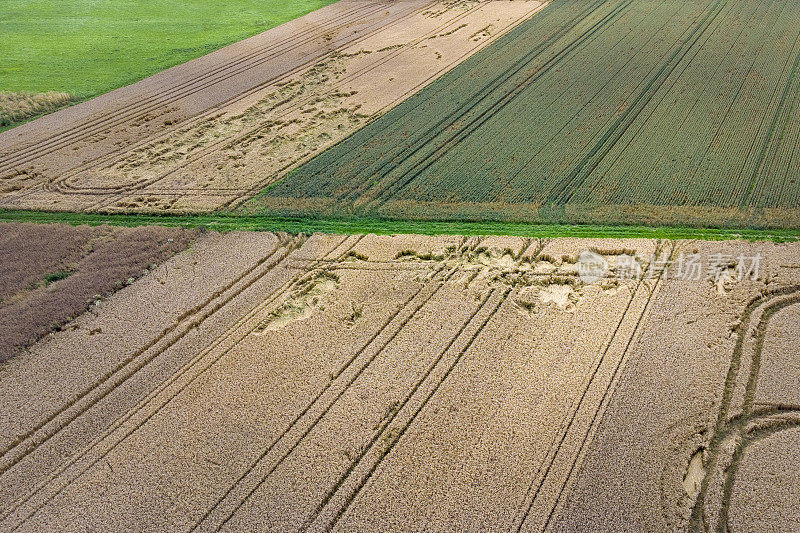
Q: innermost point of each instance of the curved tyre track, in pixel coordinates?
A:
(63, 186)
(741, 422)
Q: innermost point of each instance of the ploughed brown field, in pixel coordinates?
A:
(263, 381)
(215, 131)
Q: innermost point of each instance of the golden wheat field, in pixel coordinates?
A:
(403, 383)
(403, 265)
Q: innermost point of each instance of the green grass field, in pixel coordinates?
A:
(88, 47)
(674, 112)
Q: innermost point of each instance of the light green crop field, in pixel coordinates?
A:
(88, 47)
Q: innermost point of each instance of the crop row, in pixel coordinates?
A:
(636, 103)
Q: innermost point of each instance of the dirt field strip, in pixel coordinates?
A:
(50, 274)
(230, 153)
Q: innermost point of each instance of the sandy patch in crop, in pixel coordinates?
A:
(409, 382)
(229, 151)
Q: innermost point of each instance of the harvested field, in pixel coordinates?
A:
(408, 382)
(644, 111)
(212, 132)
(51, 273)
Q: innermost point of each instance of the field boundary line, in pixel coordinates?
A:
(225, 222)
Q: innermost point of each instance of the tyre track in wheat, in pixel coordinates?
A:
(608, 391)
(118, 375)
(752, 423)
(320, 520)
(216, 517)
(563, 191)
(557, 446)
(147, 402)
(448, 120)
(444, 146)
(535, 247)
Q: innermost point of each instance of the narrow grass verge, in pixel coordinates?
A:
(225, 223)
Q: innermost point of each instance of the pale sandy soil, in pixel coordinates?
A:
(210, 133)
(268, 382)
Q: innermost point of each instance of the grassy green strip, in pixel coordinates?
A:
(226, 223)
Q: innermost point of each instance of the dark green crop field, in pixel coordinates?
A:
(676, 112)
